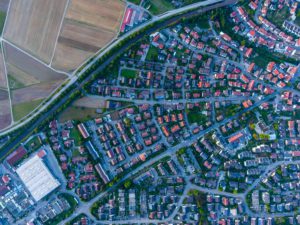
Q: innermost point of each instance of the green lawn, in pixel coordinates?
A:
(22, 109)
(196, 117)
(157, 7)
(2, 20)
(152, 54)
(128, 73)
(76, 136)
(137, 2)
(279, 16)
(14, 83)
(78, 113)
(230, 110)
(33, 144)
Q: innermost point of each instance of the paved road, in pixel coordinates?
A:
(176, 101)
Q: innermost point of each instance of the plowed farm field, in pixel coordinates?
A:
(33, 25)
(88, 26)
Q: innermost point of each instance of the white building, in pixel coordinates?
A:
(37, 178)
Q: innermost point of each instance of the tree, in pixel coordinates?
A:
(255, 136)
(252, 126)
(243, 42)
(127, 184)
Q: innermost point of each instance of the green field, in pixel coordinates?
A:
(2, 20)
(78, 113)
(13, 83)
(152, 54)
(196, 117)
(279, 16)
(137, 2)
(33, 144)
(157, 7)
(22, 109)
(128, 73)
(76, 136)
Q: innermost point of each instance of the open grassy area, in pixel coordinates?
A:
(76, 136)
(196, 117)
(157, 7)
(200, 21)
(152, 54)
(137, 2)
(78, 113)
(160, 6)
(33, 144)
(22, 109)
(2, 20)
(129, 73)
(277, 17)
(230, 110)
(13, 83)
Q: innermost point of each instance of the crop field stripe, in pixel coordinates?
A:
(6, 18)
(59, 31)
(7, 83)
(33, 57)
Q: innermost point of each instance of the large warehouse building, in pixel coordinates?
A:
(37, 178)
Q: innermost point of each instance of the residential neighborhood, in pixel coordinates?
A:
(195, 120)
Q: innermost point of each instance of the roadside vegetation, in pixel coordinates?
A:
(157, 7)
(137, 2)
(2, 21)
(78, 113)
(22, 109)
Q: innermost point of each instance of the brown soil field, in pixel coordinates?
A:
(33, 92)
(88, 26)
(89, 102)
(4, 5)
(26, 69)
(34, 25)
(78, 113)
(5, 112)
(3, 79)
(19, 76)
(3, 95)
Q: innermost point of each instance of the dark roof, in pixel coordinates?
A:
(3, 190)
(16, 156)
